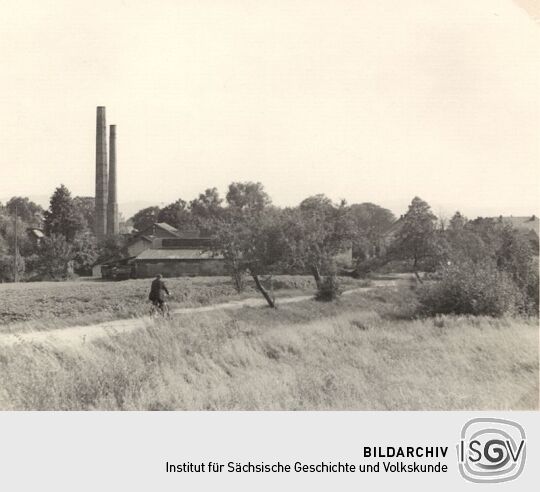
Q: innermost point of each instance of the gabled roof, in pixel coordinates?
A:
(146, 238)
(167, 227)
(394, 227)
(134, 239)
(529, 223)
(38, 233)
(149, 232)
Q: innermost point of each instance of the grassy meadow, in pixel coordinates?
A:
(363, 352)
(48, 305)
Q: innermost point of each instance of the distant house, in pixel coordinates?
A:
(362, 252)
(35, 235)
(139, 244)
(525, 224)
(143, 240)
(389, 236)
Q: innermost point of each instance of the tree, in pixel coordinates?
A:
(55, 256)
(464, 242)
(369, 223)
(28, 211)
(242, 232)
(481, 243)
(85, 253)
(206, 209)
(7, 264)
(249, 242)
(260, 246)
(514, 256)
(86, 206)
(176, 214)
(4, 245)
(63, 216)
(457, 222)
(145, 218)
(7, 235)
(313, 234)
(228, 233)
(417, 239)
(247, 195)
(486, 228)
(113, 247)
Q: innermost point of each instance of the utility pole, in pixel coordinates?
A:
(15, 249)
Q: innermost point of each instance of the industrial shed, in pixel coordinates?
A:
(178, 262)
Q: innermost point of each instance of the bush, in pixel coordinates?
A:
(6, 268)
(329, 289)
(468, 288)
(532, 292)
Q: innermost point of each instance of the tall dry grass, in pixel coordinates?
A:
(363, 353)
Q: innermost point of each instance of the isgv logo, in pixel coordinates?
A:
(491, 450)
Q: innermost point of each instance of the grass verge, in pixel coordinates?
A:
(364, 352)
(50, 305)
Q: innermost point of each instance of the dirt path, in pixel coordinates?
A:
(77, 335)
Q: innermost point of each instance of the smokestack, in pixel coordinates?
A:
(101, 174)
(112, 206)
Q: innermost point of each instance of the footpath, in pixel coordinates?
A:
(77, 335)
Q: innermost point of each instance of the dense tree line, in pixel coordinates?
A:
(483, 266)
(258, 239)
(68, 247)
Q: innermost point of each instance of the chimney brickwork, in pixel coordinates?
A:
(112, 205)
(101, 174)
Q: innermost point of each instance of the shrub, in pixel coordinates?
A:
(467, 288)
(329, 289)
(532, 292)
(6, 268)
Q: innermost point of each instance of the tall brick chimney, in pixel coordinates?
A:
(101, 174)
(112, 205)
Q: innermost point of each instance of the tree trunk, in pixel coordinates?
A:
(317, 276)
(238, 281)
(263, 291)
(236, 275)
(415, 269)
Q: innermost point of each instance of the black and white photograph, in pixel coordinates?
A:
(247, 206)
(269, 245)
(283, 209)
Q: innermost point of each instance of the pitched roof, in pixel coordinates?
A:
(177, 254)
(167, 227)
(134, 239)
(146, 238)
(529, 223)
(38, 233)
(394, 227)
(149, 231)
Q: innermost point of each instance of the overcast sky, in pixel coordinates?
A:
(375, 100)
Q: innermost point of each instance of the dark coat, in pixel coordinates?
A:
(158, 290)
